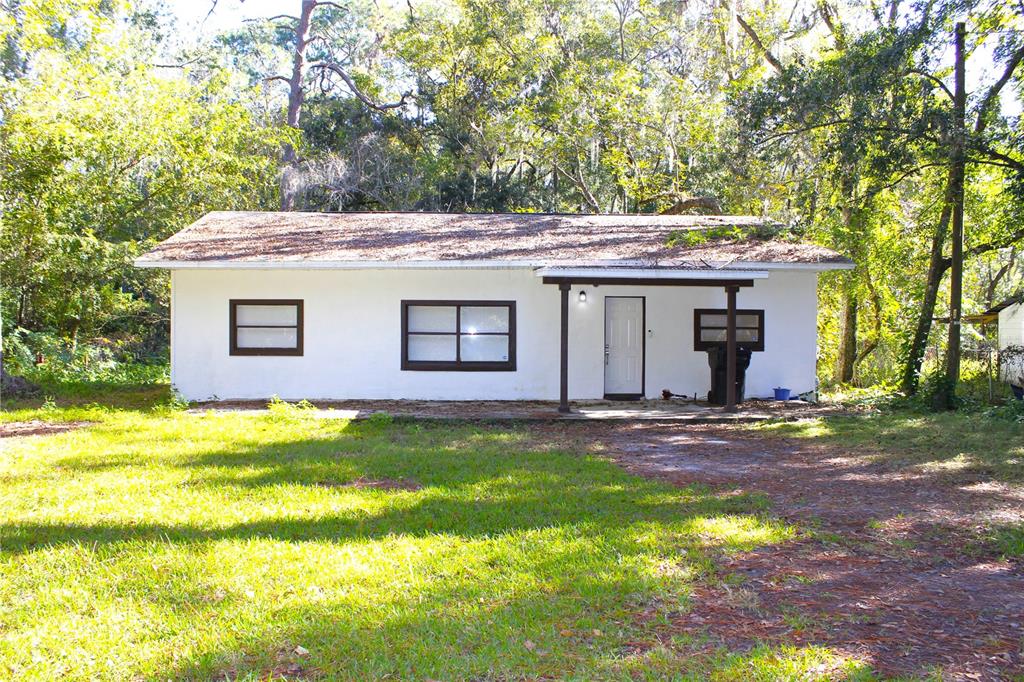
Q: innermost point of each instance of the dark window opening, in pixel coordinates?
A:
(709, 329)
(459, 335)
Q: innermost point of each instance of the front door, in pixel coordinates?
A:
(624, 346)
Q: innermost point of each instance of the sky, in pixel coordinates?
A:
(192, 14)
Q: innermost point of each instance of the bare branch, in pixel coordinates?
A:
(180, 65)
(993, 92)
(327, 3)
(213, 6)
(933, 79)
(360, 95)
(283, 79)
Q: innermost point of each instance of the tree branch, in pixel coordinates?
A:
(360, 95)
(181, 65)
(933, 79)
(327, 3)
(993, 92)
(826, 12)
(756, 39)
(581, 184)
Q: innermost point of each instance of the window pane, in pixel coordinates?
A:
(746, 335)
(712, 335)
(746, 321)
(267, 337)
(432, 318)
(431, 348)
(267, 314)
(484, 348)
(709, 320)
(491, 318)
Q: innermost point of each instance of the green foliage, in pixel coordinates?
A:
(282, 410)
(102, 155)
(102, 361)
(1010, 541)
(697, 237)
(1012, 410)
(519, 106)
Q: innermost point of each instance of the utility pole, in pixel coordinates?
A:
(957, 163)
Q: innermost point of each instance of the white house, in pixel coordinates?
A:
(484, 306)
(1009, 317)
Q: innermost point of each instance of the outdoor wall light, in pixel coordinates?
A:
(583, 297)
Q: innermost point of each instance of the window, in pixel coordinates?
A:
(709, 328)
(459, 335)
(266, 327)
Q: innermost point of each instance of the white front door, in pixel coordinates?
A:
(623, 345)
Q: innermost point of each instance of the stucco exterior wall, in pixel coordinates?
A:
(353, 335)
(1011, 335)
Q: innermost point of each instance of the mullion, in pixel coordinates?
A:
(458, 334)
(267, 326)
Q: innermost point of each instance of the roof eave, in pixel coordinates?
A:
(168, 264)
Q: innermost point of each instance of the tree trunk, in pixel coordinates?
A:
(946, 397)
(296, 95)
(936, 268)
(847, 339)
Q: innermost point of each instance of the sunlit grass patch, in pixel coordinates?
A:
(945, 444)
(1010, 540)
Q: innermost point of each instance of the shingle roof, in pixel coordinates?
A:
(538, 239)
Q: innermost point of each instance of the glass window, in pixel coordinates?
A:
(266, 327)
(458, 335)
(710, 329)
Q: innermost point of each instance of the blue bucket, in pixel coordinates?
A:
(1018, 391)
(781, 393)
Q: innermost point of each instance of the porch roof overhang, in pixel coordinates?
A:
(687, 277)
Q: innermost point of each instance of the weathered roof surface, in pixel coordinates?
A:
(541, 239)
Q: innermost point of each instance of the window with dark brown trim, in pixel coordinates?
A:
(457, 336)
(709, 328)
(266, 326)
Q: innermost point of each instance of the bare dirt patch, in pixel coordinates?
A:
(895, 571)
(37, 427)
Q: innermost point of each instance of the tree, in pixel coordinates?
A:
(101, 155)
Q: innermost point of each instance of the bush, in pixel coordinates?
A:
(281, 410)
(1012, 410)
(101, 361)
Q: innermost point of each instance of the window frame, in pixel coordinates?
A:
(458, 365)
(699, 345)
(233, 326)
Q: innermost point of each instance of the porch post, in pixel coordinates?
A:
(730, 349)
(563, 394)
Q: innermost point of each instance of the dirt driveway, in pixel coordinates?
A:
(896, 572)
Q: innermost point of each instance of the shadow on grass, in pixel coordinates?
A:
(477, 574)
(470, 495)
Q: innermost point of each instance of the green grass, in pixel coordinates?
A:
(957, 445)
(158, 544)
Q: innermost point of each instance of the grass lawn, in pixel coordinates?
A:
(954, 445)
(159, 544)
(155, 544)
